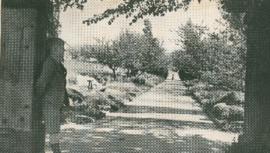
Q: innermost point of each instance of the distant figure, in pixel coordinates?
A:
(172, 76)
(90, 85)
(51, 90)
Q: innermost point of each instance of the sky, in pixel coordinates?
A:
(75, 33)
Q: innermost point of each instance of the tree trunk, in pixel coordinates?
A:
(256, 137)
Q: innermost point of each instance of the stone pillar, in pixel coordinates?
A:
(23, 37)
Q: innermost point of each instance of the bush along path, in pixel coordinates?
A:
(162, 120)
(222, 105)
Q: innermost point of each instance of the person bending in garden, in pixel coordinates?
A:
(51, 90)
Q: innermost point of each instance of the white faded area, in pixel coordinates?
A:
(209, 134)
(167, 101)
(75, 126)
(104, 129)
(162, 116)
(133, 132)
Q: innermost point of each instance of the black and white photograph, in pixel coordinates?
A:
(135, 76)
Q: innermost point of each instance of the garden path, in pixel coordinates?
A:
(162, 120)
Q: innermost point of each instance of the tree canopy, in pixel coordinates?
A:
(211, 57)
(137, 9)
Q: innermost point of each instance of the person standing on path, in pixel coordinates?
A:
(51, 90)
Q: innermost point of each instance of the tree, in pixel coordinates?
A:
(130, 45)
(87, 51)
(210, 57)
(108, 54)
(190, 41)
(185, 64)
(153, 57)
(142, 53)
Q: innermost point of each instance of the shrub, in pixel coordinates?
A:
(66, 113)
(216, 95)
(96, 99)
(221, 111)
(94, 112)
(116, 104)
(236, 113)
(162, 72)
(230, 113)
(223, 81)
(138, 81)
(205, 101)
(186, 75)
(75, 95)
(212, 78)
(200, 95)
(83, 119)
(233, 98)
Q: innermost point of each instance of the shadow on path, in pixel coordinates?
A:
(119, 142)
(162, 120)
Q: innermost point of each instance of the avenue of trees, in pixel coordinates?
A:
(134, 52)
(256, 17)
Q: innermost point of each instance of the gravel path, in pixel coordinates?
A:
(163, 120)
